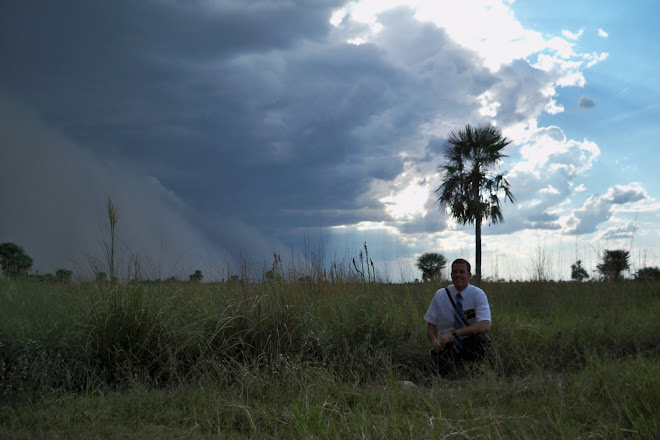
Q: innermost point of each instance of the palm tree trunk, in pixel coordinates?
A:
(477, 235)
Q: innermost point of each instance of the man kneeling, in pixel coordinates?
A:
(458, 319)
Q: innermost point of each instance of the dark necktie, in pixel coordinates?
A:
(458, 315)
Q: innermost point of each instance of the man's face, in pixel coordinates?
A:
(460, 276)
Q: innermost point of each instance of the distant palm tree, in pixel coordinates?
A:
(469, 188)
(578, 273)
(196, 277)
(431, 263)
(614, 262)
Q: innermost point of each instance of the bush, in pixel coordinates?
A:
(13, 260)
(648, 274)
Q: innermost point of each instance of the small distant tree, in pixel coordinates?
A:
(614, 262)
(275, 274)
(101, 277)
(63, 275)
(196, 277)
(13, 260)
(648, 274)
(578, 273)
(431, 264)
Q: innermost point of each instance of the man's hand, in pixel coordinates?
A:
(438, 344)
(443, 341)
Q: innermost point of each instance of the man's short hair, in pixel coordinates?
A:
(463, 261)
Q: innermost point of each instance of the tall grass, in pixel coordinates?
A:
(321, 358)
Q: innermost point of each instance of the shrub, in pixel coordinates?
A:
(648, 274)
(14, 260)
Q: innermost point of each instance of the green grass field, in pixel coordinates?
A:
(322, 360)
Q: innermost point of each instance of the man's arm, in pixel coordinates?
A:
(477, 327)
(432, 334)
(439, 343)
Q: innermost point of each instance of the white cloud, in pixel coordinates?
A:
(619, 231)
(489, 104)
(620, 194)
(553, 108)
(496, 37)
(572, 36)
(409, 201)
(595, 58)
(602, 33)
(598, 209)
(567, 73)
(494, 32)
(544, 176)
(547, 149)
(338, 16)
(549, 190)
(639, 208)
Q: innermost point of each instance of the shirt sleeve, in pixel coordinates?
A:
(482, 308)
(431, 315)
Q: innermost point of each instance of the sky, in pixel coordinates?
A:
(227, 131)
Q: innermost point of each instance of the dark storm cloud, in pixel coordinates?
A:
(161, 84)
(208, 97)
(147, 84)
(139, 68)
(254, 119)
(54, 197)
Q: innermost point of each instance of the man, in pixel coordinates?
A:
(457, 320)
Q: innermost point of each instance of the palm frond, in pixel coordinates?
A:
(467, 187)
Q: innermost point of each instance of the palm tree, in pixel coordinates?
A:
(431, 263)
(578, 273)
(614, 262)
(469, 188)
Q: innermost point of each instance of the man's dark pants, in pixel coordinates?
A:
(445, 361)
